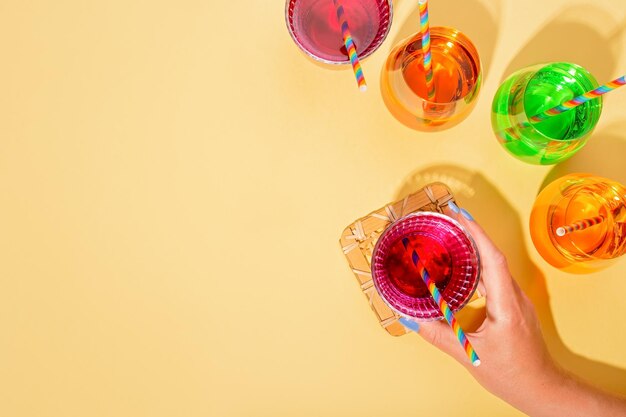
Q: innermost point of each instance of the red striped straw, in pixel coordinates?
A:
(577, 101)
(427, 63)
(581, 225)
(349, 43)
(443, 306)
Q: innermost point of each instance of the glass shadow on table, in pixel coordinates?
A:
(476, 194)
(478, 19)
(602, 155)
(583, 34)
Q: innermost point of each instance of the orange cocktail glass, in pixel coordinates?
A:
(570, 200)
(457, 78)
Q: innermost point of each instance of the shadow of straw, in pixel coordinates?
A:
(478, 19)
(473, 192)
(583, 34)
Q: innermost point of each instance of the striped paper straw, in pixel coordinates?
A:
(427, 63)
(581, 225)
(349, 43)
(577, 101)
(443, 306)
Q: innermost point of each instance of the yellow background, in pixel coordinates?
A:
(174, 177)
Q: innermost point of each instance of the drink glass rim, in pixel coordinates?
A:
(329, 62)
(453, 222)
(525, 117)
(552, 197)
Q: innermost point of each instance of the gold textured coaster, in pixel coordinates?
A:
(359, 238)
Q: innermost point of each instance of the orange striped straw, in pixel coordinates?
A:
(580, 225)
(427, 63)
(443, 306)
(349, 43)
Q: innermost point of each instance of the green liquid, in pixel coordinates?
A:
(533, 90)
(551, 86)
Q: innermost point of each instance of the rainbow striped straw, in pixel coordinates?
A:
(581, 225)
(577, 101)
(425, 31)
(349, 43)
(443, 306)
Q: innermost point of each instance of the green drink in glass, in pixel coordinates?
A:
(533, 90)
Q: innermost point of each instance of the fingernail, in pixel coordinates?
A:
(453, 207)
(409, 324)
(467, 215)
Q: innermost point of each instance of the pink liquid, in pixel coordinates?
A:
(315, 27)
(401, 269)
(446, 250)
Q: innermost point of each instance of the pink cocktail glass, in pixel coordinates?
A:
(314, 27)
(448, 253)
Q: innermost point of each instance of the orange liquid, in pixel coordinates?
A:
(454, 75)
(568, 200)
(456, 78)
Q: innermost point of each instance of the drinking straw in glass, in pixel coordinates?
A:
(349, 43)
(580, 225)
(443, 305)
(583, 98)
(425, 31)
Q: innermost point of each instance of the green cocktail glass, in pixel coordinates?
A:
(533, 90)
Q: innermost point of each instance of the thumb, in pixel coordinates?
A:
(440, 335)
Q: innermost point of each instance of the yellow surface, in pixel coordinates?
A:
(174, 177)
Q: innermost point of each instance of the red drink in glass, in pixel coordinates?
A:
(314, 27)
(446, 250)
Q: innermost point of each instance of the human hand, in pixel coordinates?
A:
(509, 341)
(515, 363)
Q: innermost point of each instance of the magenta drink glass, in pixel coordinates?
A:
(449, 255)
(314, 27)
